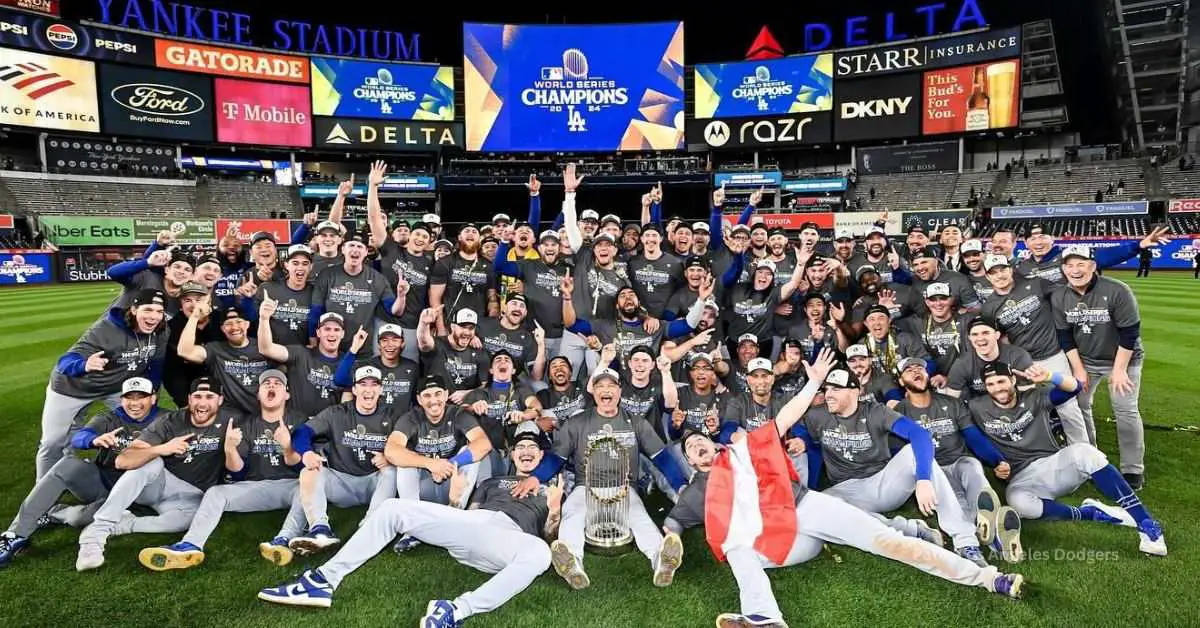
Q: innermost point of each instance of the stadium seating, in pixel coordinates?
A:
(981, 181)
(900, 192)
(246, 199)
(79, 194)
(1049, 184)
(1180, 183)
(1077, 227)
(1185, 224)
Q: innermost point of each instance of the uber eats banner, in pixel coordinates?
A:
(116, 231)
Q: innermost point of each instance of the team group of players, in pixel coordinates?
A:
(458, 391)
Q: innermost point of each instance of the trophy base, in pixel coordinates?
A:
(608, 541)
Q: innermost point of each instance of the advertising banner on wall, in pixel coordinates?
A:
(943, 52)
(1178, 254)
(387, 135)
(792, 222)
(87, 230)
(186, 231)
(59, 37)
(49, 7)
(187, 56)
(934, 219)
(1072, 210)
(47, 92)
(1184, 205)
(263, 114)
(392, 91)
(19, 268)
(156, 103)
(927, 157)
(97, 157)
(859, 223)
(972, 98)
(764, 87)
(800, 129)
(836, 184)
(878, 108)
(91, 264)
(770, 179)
(244, 228)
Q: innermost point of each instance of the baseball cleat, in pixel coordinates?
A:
(734, 620)
(310, 589)
(11, 546)
(986, 520)
(928, 534)
(440, 614)
(1009, 585)
(1114, 512)
(318, 538)
(670, 557)
(182, 555)
(1008, 535)
(406, 543)
(568, 566)
(91, 556)
(276, 550)
(1136, 481)
(1151, 539)
(973, 554)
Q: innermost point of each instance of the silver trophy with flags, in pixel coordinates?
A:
(606, 479)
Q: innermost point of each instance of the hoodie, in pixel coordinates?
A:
(129, 354)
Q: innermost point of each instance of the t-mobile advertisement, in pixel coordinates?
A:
(972, 98)
(264, 114)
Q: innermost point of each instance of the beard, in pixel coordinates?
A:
(470, 248)
(913, 387)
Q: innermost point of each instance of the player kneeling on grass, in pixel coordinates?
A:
(168, 468)
(608, 421)
(498, 534)
(109, 433)
(357, 473)
(1038, 469)
(265, 481)
(758, 515)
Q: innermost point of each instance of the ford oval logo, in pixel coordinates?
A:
(162, 100)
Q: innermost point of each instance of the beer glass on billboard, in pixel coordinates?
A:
(1001, 81)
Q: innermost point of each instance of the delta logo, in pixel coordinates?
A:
(62, 36)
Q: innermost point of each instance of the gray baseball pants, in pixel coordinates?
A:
(310, 506)
(150, 485)
(968, 481)
(414, 483)
(59, 412)
(1052, 477)
(1075, 426)
(79, 477)
(646, 534)
(257, 496)
(1131, 439)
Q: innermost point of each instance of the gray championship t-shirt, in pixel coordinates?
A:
(310, 380)
(586, 430)
(353, 438)
(595, 293)
(237, 370)
(397, 382)
(107, 421)
(461, 369)
(982, 286)
(261, 453)
(943, 341)
(644, 403)
(129, 355)
(960, 288)
(1025, 316)
(543, 296)
(751, 415)
(565, 404)
(1023, 433)
(529, 512)
(655, 281)
(1095, 318)
(696, 407)
(395, 261)
(355, 297)
(467, 283)
(750, 311)
(856, 446)
(1049, 269)
(501, 400)
(289, 323)
(681, 301)
(519, 343)
(203, 464)
(436, 440)
(965, 374)
(943, 419)
(627, 336)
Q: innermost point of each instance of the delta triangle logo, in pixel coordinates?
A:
(765, 46)
(337, 135)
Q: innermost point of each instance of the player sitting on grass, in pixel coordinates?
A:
(758, 515)
(497, 534)
(1038, 469)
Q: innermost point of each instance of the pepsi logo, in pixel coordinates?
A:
(62, 36)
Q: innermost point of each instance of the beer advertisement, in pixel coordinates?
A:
(971, 98)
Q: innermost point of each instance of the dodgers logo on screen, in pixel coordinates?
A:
(572, 87)
(761, 89)
(382, 90)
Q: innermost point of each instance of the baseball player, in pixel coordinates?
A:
(1039, 470)
(399, 373)
(1022, 311)
(964, 380)
(352, 472)
(502, 403)
(758, 406)
(266, 479)
(873, 385)
(178, 373)
(752, 304)
(498, 534)
(293, 299)
(564, 396)
(158, 269)
(700, 405)
(542, 277)
(878, 255)
(168, 468)
(130, 342)
(972, 259)
(354, 290)
(508, 333)
(654, 274)
(310, 371)
(464, 279)
(814, 330)
(236, 362)
(927, 269)
(1100, 327)
(941, 329)
(853, 439)
(885, 343)
(453, 357)
(789, 370)
(607, 420)
(790, 523)
(107, 433)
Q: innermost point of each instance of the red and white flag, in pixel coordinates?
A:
(749, 502)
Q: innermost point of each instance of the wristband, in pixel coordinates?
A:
(462, 458)
(1056, 379)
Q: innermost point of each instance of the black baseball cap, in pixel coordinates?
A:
(996, 368)
(979, 320)
(695, 261)
(423, 226)
(761, 225)
(431, 381)
(205, 384)
(774, 231)
(230, 314)
(841, 377)
(928, 251)
(517, 296)
(642, 349)
(356, 236)
(207, 259)
(259, 236)
(180, 256)
(501, 353)
(655, 227)
(149, 296)
(916, 228)
(812, 295)
(877, 309)
(810, 225)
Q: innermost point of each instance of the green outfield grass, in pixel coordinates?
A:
(1081, 574)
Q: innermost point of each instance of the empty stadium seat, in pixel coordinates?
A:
(1049, 184)
(101, 195)
(246, 199)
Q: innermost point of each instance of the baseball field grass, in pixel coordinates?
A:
(1078, 574)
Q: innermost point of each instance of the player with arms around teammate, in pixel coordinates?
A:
(265, 481)
(497, 534)
(125, 343)
(235, 363)
(791, 522)
(108, 433)
(1039, 470)
(168, 468)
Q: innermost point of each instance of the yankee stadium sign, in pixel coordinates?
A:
(230, 27)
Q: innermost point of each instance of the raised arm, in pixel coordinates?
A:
(426, 328)
(570, 219)
(188, 349)
(266, 337)
(791, 413)
(535, 205)
(375, 216)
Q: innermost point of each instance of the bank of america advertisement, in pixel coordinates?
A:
(551, 88)
(48, 92)
(764, 88)
(390, 91)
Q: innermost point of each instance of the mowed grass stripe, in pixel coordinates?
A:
(95, 301)
(81, 317)
(34, 293)
(65, 333)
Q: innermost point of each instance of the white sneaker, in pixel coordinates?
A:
(1116, 512)
(669, 558)
(91, 556)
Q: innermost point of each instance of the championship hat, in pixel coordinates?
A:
(272, 373)
(137, 385)
(367, 372)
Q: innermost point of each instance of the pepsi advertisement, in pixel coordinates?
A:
(574, 88)
(391, 91)
(55, 36)
(24, 268)
(764, 88)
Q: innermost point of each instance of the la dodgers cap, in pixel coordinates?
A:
(329, 225)
(390, 328)
(856, 351)
(1077, 250)
(272, 373)
(996, 368)
(367, 372)
(466, 316)
(760, 364)
(993, 261)
(605, 373)
(137, 385)
(149, 296)
(430, 382)
(205, 384)
(937, 289)
(971, 246)
(907, 362)
(332, 316)
(841, 378)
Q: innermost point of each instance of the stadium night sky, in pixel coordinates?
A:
(726, 34)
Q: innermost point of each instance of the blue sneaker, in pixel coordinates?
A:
(440, 614)
(1151, 539)
(276, 550)
(318, 538)
(1091, 512)
(310, 589)
(11, 546)
(181, 555)
(406, 543)
(973, 554)
(1009, 585)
